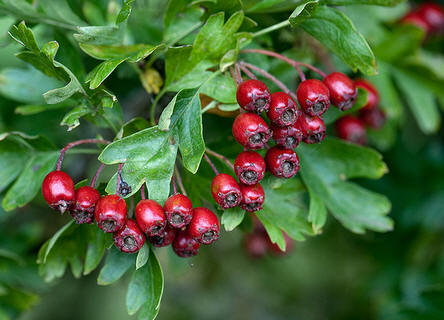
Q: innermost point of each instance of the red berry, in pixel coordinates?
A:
(130, 238)
(283, 110)
(374, 118)
(281, 162)
(249, 167)
(205, 226)
(313, 129)
(313, 97)
(251, 131)
(256, 245)
(185, 245)
(342, 90)
(373, 95)
(288, 137)
(433, 15)
(58, 190)
(253, 197)
(110, 213)
(274, 248)
(165, 239)
(83, 208)
(351, 129)
(253, 95)
(150, 217)
(414, 19)
(178, 210)
(226, 191)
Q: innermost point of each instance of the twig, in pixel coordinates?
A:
(220, 157)
(142, 191)
(94, 179)
(247, 72)
(76, 143)
(119, 178)
(211, 164)
(179, 181)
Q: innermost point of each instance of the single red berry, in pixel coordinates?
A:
(253, 95)
(205, 226)
(274, 248)
(110, 213)
(256, 245)
(164, 239)
(288, 137)
(251, 131)
(226, 191)
(281, 162)
(283, 110)
(184, 245)
(342, 90)
(84, 205)
(150, 217)
(374, 118)
(373, 95)
(253, 197)
(249, 167)
(130, 238)
(433, 15)
(178, 210)
(413, 18)
(313, 97)
(351, 129)
(58, 190)
(313, 129)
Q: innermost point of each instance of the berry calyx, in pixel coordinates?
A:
(288, 137)
(84, 205)
(110, 213)
(58, 190)
(283, 110)
(165, 238)
(226, 191)
(342, 90)
(313, 97)
(178, 210)
(373, 95)
(251, 131)
(253, 95)
(351, 129)
(184, 245)
(150, 217)
(374, 118)
(281, 162)
(312, 128)
(130, 238)
(253, 197)
(249, 167)
(204, 226)
(433, 15)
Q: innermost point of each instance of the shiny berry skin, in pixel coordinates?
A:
(150, 217)
(165, 239)
(313, 97)
(110, 213)
(184, 245)
(249, 167)
(251, 131)
(253, 95)
(351, 129)
(288, 137)
(84, 205)
(413, 18)
(313, 129)
(226, 191)
(205, 226)
(130, 238)
(253, 197)
(342, 90)
(281, 162)
(58, 190)
(373, 95)
(433, 15)
(374, 118)
(178, 210)
(283, 110)
(256, 245)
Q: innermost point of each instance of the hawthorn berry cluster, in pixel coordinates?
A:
(177, 223)
(353, 127)
(428, 16)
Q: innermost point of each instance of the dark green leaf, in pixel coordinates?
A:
(116, 265)
(96, 249)
(180, 20)
(142, 256)
(231, 218)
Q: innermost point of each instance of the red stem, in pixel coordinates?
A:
(179, 181)
(235, 77)
(173, 180)
(247, 72)
(76, 143)
(142, 191)
(220, 157)
(93, 181)
(211, 164)
(119, 177)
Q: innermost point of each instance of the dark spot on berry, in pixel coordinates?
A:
(288, 116)
(257, 138)
(157, 240)
(290, 142)
(129, 243)
(208, 236)
(124, 189)
(108, 225)
(231, 199)
(318, 107)
(259, 105)
(249, 176)
(176, 219)
(287, 167)
(316, 137)
(252, 206)
(156, 229)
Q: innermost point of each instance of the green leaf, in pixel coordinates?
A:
(60, 11)
(274, 233)
(96, 249)
(142, 256)
(317, 214)
(116, 265)
(388, 3)
(303, 11)
(145, 289)
(232, 218)
(102, 71)
(100, 35)
(180, 20)
(124, 12)
(325, 169)
(43, 255)
(332, 28)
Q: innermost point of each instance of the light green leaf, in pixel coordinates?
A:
(232, 218)
(124, 12)
(317, 214)
(142, 256)
(303, 11)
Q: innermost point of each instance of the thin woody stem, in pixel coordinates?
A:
(119, 178)
(247, 72)
(173, 180)
(76, 143)
(235, 76)
(142, 192)
(211, 164)
(220, 157)
(179, 181)
(94, 179)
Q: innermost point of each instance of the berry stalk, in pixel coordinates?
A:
(142, 192)
(247, 72)
(220, 157)
(76, 143)
(179, 181)
(213, 167)
(94, 179)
